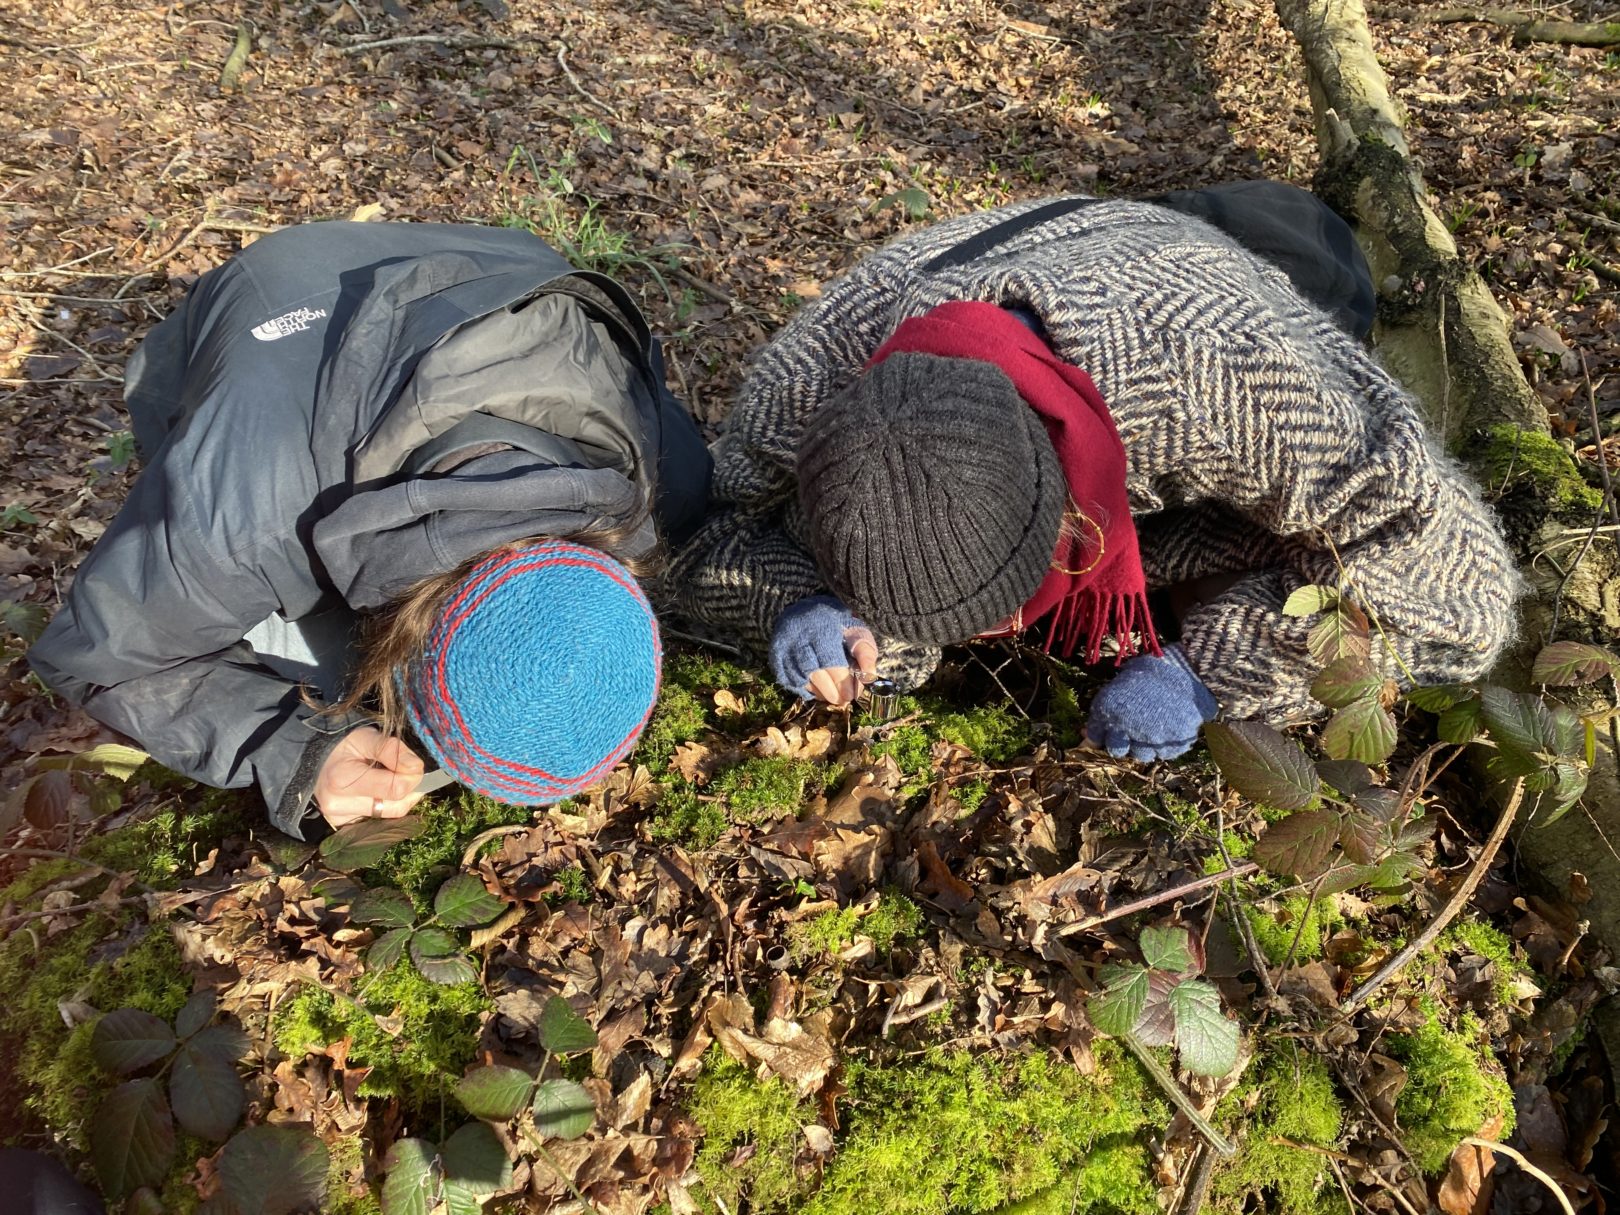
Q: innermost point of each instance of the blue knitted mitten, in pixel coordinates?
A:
(810, 636)
(1152, 709)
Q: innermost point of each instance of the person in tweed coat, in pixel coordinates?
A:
(892, 476)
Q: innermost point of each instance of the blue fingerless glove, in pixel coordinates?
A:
(1152, 709)
(810, 636)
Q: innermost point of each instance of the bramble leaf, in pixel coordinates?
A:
(1461, 722)
(438, 955)
(1363, 730)
(1167, 948)
(1361, 837)
(411, 1183)
(383, 905)
(562, 1031)
(1156, 1025)
(1116, 1008)
(128, 1039)
(387, 949)
(1309, 600)
(206, 1092)
(1263, 765)
(494, 1092)
(1299, 845)
(1345, 681)
(562, 1110)
(915, 202)
(274, 1170)
(1341, 633)
(1571, 663)
(1347, 776)
(475, 1162)
(462, 902)
(1207, 1039)
(362, 844)
(197, 1012)
(132, 1138)
(1438, 697)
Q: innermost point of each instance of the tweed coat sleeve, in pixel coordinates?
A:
(1328, 454)
(748, 563)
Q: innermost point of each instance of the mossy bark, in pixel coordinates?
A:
(1438, 327)
(1440, 331)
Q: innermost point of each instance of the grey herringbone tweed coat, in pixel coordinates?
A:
(1261, 438)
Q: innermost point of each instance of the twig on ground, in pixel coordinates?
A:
(719, 294)
(1518, 1158)
(469, 854)
(1203, 1168)
(1158, 898)
(562, 62)
(57, 268)
(22, 917)
(446, 40)
(1454, 904)
(1597, 221)
(230, 74)
(1179, 1098)
(1524, 26)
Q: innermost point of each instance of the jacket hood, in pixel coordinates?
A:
(381, 542)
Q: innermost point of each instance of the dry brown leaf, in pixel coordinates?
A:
(728, 704)
(786, 1049)
(695, 762)
(1469, 1182)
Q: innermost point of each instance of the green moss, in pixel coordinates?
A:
(828, 933)
(1115, 1179)
(1478, 937)
(682, 818)
(992, 732)
(438, 1031)
(419, 866)
(950, 1134)
(911, 748)
(895, 918)
(970, 794)
(679, 718)
(700, 675)
(346, 1170)
(1274, 930)
(35, 878)
(1296, 1101)
(174, 840)
(1064, 715)
(765, 787)
(1510, 457)
(576, 886)
(104, 963)
(1453, 1088)
(1237, 847)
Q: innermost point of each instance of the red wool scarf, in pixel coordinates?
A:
(1095, 586)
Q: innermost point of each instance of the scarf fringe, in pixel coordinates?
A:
(1089, 615)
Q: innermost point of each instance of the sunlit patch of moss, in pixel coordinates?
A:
(1179, 810)
(1296, 1101)
(437, 1035)
(1274, 931)
(1237, 847)
(1064, 714)
(765, 787)
(703, 674)
(679, 718)
(1510, 457)
(970, 794)
(575, 886)
(1116, 1178)
(1494, 945)
(895, 918)
(994, 733)
(347, 1167)
(419, 866)
(1453, 1087)
(949, 1134)
(106, 964)
(683, 818)
(36, 877)
(911, 747)
(172, 842)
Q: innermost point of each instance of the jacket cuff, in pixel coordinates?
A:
(293, 809)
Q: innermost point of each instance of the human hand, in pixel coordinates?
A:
(368, 775)
(1152, 708)
(821, 649)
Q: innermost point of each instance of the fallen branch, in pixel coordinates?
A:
(1158, 898)
(55, 269)
(230, 75)
(562, 62)
(446, 40)
(1526, 27)
(1454, 904)
(1519, 1158)
(22, 917)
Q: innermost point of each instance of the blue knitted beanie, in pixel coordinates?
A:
(540, 674)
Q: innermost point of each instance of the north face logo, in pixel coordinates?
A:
(288, 322)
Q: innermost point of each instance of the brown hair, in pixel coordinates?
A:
(394, 635)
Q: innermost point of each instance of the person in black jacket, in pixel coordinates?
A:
(397, 478)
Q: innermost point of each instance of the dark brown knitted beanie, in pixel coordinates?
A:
(933, 497)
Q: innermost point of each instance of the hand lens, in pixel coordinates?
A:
(882, 698)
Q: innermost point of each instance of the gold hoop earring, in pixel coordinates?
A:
(1102, 542)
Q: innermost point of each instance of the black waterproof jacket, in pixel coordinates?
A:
(302, 416)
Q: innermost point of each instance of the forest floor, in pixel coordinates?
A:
(900, 923)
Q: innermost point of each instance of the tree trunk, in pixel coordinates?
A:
(1441, 332)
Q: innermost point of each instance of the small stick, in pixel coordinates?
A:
(562, 62)
(1198, 1183)
(1519, 1158)
(22, 917)
(458, 44)
(1454, 904)
(1159, 898)
(53, 269)
(1178, 1095)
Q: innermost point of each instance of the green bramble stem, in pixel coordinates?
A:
(1219, 1142)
